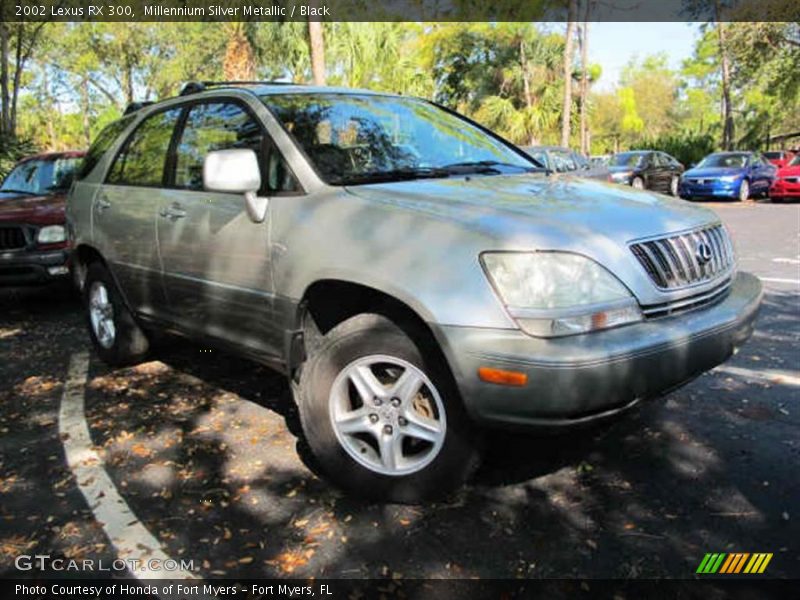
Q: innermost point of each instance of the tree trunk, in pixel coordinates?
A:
(4, 97)
(317, 46)
(569, 48)
(584, 82)
(727, 108)
(526, 79)
(85, 98)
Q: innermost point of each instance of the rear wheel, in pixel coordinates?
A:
(744, 191)
(382, 417)
(115, 335)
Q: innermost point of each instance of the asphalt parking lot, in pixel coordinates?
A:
(205, 448)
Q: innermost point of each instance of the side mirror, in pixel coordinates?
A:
(236, 171)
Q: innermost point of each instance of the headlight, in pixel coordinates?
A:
(558, 293)
(729, 178)
(622, 175)
(52, 234)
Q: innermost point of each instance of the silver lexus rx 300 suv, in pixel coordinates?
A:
(415, 276)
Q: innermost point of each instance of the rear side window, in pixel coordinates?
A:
(209, 127)
(141, 160)
(101, 144)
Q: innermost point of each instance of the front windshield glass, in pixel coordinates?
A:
(626, 159)
(38, 177)
(352, 138)
(795, 161)
(731, 161)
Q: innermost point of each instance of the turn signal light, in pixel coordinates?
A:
(501, 377)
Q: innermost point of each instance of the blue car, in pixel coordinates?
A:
(731, 175)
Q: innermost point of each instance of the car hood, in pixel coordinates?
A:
(713, 172)
(558, 211)
(622, 169)
(789, 171)
(36, 210)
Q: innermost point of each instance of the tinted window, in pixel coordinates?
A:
(774, 155)
(101, 144)
(41, 176)
(209, 127)
(142, 158)
(627, 159)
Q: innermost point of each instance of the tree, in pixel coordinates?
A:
(569, 47)
(240, 62)
(316, 44)
(17, 41)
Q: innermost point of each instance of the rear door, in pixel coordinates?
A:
(216, 260)
(125, 207)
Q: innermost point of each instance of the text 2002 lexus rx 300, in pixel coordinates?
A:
(415, 276)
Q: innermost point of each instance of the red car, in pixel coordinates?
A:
(33, 236)
(787, 182)
(779, 158)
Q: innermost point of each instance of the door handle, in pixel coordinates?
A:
(103, 203)
(173, 212)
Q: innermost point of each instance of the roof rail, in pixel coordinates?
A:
(134, 106)
(194, 87)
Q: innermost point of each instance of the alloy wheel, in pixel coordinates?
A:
(387, 415)
(101, 315)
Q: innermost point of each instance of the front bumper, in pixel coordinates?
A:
(717, 189)
(582, 378)
(25, 267)
(785, 189)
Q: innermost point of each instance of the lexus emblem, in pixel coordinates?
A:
(703, 253)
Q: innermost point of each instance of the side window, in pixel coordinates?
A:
(221, 126)
(209, 127)
(101, 144)
(141, 160)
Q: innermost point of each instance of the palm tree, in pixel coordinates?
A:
(316, 44)
(240, 62)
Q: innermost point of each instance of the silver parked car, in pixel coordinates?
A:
(558, 159)
(415, 276)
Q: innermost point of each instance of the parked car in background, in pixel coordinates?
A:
(779, 158)
(563, 160)
(33, 237)
(646, 169)
(787, 182)
(732, 175)
(601, 160)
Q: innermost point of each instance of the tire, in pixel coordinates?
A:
(744, 191)
(357, 453)
(637, 183)
(673, 186)
(115, 335)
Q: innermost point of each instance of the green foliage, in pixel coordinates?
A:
(687, 146)
(11, 150)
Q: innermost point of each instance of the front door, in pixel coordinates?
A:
(216, 260)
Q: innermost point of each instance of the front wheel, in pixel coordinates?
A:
(637, 183)
(382, 417)
(115, 335)
(744, 191)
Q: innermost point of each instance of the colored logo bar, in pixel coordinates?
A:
(734, 563)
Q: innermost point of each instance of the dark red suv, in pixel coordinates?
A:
(33, 237)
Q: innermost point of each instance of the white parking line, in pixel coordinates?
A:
(788, 261)
(129, 537)
(772, 376)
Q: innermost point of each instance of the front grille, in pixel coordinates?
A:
(687, 258)
(11, 238)
(712, 296)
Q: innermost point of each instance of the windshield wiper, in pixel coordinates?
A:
(404, 174)
(10, 191)
(483, 166)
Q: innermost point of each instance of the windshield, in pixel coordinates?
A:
(563, 161)
(353, 138)
(627, 159)
(774, 155)
(795, 161)
(732, 161)
(37, 177)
